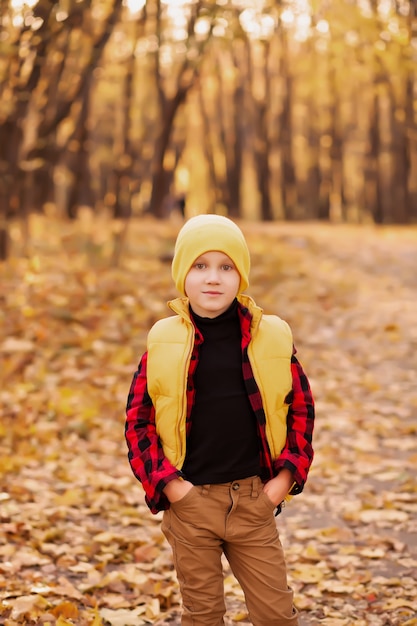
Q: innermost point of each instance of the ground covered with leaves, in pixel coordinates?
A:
(77, 544)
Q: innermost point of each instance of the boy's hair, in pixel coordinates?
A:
(205, 233)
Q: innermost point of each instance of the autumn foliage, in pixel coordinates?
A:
(78, 545)
(280, 110)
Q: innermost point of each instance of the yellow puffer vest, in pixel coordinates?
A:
(170, 343)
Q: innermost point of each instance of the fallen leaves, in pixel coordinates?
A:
(384, 517)
(77, 543)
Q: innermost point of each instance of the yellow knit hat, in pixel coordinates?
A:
(205, 233)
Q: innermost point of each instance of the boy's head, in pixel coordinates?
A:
(205, 233)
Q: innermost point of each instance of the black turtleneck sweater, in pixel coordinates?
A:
(223, 441)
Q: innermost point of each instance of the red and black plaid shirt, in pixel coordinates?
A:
(146, 456)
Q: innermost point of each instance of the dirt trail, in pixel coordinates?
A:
(76, 541)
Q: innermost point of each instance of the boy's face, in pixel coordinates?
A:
(212, 283)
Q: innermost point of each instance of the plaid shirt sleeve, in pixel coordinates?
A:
(145, 453)
(297, 454)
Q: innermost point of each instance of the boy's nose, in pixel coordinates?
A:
(213, 276)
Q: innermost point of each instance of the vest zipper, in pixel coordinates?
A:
(182, 421)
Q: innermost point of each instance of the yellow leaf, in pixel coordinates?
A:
(70, 497)
(66, 588)
(105, 537)
(240, 616)
(339, 587)
(373, 553)
(25, 605)
(61, 621)
(123, 617)
(308, 574)
(153, 608)
(65, 610)
(396, 603)
(311, 553)
(12, 344)
(97, 621)
(386, 515)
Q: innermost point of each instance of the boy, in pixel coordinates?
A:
(219, 429)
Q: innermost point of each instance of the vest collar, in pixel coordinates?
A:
(180, 306)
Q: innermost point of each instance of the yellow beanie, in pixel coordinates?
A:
(205, 233)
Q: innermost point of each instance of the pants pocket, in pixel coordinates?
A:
(267, 501)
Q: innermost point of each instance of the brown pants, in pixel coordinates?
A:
(236, 519)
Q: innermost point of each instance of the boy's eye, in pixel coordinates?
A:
(199, 266)
(227, 267)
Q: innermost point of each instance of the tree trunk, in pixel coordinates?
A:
(11, 131)
(217, 183)
(44, 143)
(288, 180)
(262, 147)
(411, 121)
(78, 160)
(373, 191)
(401, 162)
(337, 204)
(160, 177)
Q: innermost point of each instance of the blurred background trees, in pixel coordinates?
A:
(296, 110)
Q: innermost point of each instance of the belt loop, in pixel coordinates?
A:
(254, 492)
(205, 489)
